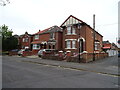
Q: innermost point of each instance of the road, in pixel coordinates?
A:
(19, 74)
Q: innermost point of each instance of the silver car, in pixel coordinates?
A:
(40, 52)
(21, 51)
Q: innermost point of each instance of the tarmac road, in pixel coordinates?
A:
(19, 73)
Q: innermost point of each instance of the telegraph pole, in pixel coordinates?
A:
(79, 42)
(93, 37)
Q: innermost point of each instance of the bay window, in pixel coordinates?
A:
(73, 44)
(68, 44)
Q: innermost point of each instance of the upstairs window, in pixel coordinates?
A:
(52, 35)
(97, 46)
(25, 39)
(68, 30)
(71, 30)
(36, 36)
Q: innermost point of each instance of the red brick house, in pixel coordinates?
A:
(25, 41)
(110, 48)
(50, 38)
(78, 36)
(74, 36)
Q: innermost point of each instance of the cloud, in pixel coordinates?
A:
(32, 15)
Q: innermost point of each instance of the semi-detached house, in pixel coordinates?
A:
(50, 38)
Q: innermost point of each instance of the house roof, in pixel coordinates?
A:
(54, 29)
(39, 32)
(106, 42)
(26, 33)
(73, 20)
(50, 29)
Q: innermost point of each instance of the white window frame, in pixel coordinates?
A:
(73, 44)
(97, 46)
(36, 46)
(26, 40)
(73, 30)
(69, 30)
(23, 39)
(72, 41)
(36, 37)
(68, 44)
(52, 35)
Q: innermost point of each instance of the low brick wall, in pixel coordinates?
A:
(85, 57)
(88, 57)
(27, 53)
(13, 53)
(35, 52)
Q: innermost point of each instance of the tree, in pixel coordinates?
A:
(9, 42)
(5, 32)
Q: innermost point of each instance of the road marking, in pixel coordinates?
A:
(71, 68)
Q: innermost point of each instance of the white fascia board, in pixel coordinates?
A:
(70, 39)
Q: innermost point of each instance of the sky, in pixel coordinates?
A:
(35, 15)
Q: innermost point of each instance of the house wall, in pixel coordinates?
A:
(65, 36)
(100, 38)
(25, 44)
(58, 37)
(46, 37)
(85, 33)
(89, 39)
(42, 37)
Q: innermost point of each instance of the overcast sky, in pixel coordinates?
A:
(32, 15)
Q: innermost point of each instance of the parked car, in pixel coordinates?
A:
(21, 51)
(15, 50)
(40, 52)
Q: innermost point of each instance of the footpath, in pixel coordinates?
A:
(107, 66)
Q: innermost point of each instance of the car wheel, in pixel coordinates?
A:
(39, 55)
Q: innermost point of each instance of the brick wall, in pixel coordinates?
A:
(27, 53)
(85, 57)
(25, 44)
(13, 53)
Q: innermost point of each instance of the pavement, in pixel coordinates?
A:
(107, 66)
